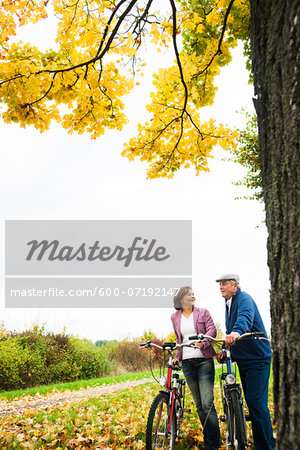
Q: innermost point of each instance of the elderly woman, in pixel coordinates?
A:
(197, 363)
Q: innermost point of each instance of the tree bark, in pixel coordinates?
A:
(275, 38)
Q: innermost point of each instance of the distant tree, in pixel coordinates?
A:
(148, 335)
(100, 343)
(171, 337)
(104, 342)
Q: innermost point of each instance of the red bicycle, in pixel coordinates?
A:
(167, 409)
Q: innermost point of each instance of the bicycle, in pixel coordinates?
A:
(232, 399)
(167, 409)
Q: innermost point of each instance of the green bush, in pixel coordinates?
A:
(10, 364)
(34, 357)
(32, 370)
(62, 370)
(19, 367)
(91, 361)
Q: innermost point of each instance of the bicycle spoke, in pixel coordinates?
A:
(157, 435)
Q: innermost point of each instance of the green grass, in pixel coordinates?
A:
(73, 385)
(81, 384)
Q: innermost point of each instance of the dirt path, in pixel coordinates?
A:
(38, 401)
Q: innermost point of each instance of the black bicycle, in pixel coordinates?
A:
(232, 399)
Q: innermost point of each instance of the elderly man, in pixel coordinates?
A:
(253, 356)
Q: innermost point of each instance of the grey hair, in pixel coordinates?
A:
(180, 293)
(234, 281)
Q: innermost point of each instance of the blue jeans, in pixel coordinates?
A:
(200, 376)
(255, 380)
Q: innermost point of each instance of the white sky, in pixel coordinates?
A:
(59, 176)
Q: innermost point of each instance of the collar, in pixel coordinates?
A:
(180, 310)
(236, 293)
(232, 298)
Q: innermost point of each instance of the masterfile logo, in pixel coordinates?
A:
(137, 250)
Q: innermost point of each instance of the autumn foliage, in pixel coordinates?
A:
(100, 50)
(35, 357)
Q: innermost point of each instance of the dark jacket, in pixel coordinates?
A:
(244, 316)
(203, 324)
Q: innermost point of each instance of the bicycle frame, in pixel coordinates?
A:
(228, 386)
(175, 387)
(173, 393)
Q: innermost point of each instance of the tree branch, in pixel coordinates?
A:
(219, 51)
(108, 24)
(143, 16)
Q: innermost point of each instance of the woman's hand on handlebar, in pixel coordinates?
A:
(174, 362)
(198, 344)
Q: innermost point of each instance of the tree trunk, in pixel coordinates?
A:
(275, 38)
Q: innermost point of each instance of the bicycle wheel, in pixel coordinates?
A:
(238, 424)
(157, 435)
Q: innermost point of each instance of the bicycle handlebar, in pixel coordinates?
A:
(200, 337)
(145, 344)
(166, 346)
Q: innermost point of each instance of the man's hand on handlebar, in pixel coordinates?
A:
(231, 338)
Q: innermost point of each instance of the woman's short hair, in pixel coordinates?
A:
(180, 293)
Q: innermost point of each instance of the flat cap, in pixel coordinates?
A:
(229, 276)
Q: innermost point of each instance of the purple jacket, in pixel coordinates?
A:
(203, 324)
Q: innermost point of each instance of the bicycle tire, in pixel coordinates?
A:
(157, 435)
(238, 424)
(226, 410)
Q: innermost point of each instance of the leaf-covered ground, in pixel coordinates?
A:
(113, 420)
(55, 398)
